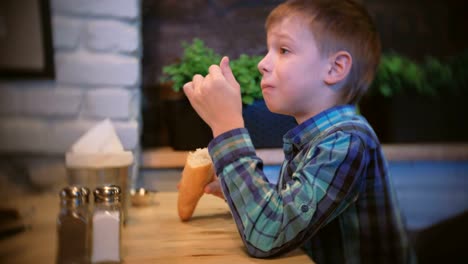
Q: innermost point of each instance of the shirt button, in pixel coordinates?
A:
(304, 208)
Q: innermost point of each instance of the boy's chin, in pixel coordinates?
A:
(274, 108)
(269, 105)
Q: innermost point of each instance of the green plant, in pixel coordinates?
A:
(399, 74)
(439, 76)
(396, 74)
(459, 68)
(247, 74)
(197, 58)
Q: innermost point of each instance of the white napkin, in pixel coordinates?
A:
(99, 147)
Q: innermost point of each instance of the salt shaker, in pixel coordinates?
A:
(107, 225)
(73, 226)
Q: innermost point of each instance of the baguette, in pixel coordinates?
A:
(197, 173)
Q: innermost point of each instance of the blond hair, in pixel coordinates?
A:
(339, 25)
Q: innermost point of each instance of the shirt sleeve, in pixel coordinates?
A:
(273, 220)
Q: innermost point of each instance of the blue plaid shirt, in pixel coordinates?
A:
(333, 198)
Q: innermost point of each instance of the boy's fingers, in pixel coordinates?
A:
(215, 71)
(191, 87)
(188, 89)
(213, 186)
(197, 81)
(210, 188)
(227, 71)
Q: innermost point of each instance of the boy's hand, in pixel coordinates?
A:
(214, 188)
(217, 98)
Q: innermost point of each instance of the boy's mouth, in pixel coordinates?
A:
(266, 86)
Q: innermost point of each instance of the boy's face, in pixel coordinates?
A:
(292, 70)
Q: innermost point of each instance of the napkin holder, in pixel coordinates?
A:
(97, 169)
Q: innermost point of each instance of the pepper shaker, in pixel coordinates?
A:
(73, 226)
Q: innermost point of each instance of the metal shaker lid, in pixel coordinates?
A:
(107, 193)
(71, 193)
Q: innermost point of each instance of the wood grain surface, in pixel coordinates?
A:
(153, 234)
(166, 157)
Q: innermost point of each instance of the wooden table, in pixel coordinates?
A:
(166, 157)
(153, 234)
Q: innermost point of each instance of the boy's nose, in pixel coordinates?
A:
(263, 65)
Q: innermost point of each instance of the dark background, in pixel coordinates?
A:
(414, 28)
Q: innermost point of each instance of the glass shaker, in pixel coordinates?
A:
(73, 226)
(107, 225)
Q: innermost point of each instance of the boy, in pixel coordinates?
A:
(334, 197)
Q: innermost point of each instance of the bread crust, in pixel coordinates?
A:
(191, 188)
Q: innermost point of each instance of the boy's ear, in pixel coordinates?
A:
(339, 66)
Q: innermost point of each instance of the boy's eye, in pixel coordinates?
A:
(284, 51)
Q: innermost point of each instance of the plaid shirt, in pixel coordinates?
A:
(333, 197)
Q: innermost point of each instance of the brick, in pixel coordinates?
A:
(112, 36)
(39, 136)
(128, 9)
(55, 102)
(97, 69)
(48, 137)
(66, 32)
(11, 101)
(108, 102)
(23, 135)
(40, 101)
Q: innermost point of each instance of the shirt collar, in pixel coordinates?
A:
(302, 134)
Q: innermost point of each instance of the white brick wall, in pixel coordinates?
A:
(97, 64)
(44, 99)
(113, 36)
(66, 31)
(108, 102)
(127, 9)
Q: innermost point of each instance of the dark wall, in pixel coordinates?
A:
(229, 27)
(415, 28)
(419, 28)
